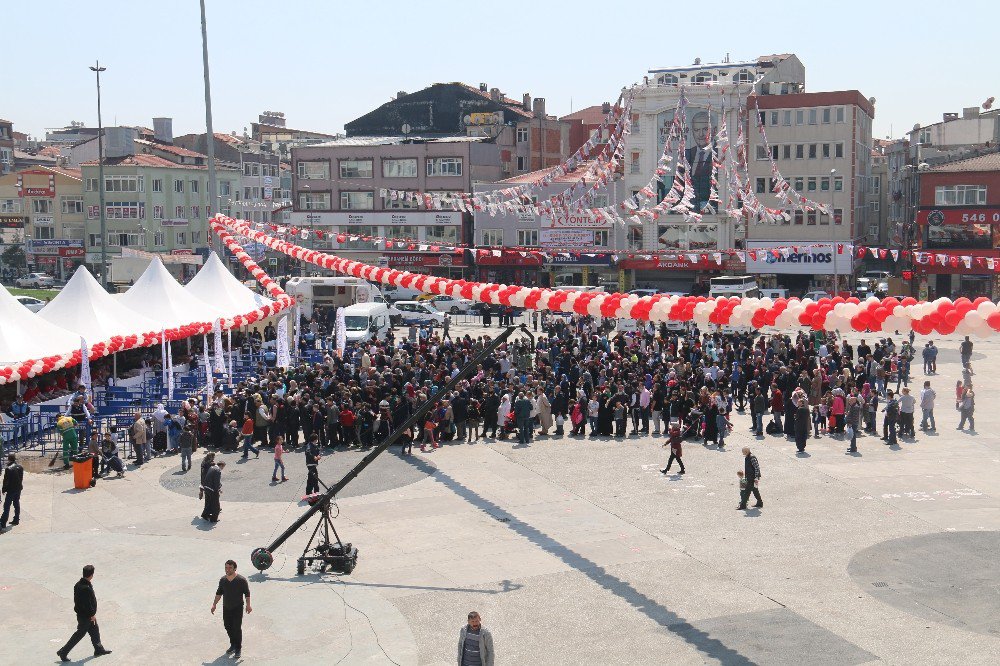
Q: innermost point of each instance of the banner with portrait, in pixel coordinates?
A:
(699, 138)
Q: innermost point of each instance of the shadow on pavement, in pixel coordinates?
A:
(673, 622)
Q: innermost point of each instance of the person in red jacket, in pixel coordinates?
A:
(777, 405)
(247, 433)
(674, 440)
(347, 421)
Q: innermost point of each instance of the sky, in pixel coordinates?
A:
(326, 62)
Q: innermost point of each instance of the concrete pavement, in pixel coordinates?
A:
(573, 550)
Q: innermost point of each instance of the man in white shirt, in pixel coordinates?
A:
(907, 405)
(927, 396)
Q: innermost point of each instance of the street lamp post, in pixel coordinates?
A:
(833, 220)
(312, 224)
(97, 69)
(213, 188)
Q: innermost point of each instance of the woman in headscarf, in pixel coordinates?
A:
(503, 410)
(605, 415)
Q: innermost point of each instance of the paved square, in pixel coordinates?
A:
(574, 550)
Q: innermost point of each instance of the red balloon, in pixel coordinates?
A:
(857, 324)
(953, 318)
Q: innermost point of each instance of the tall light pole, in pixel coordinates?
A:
(97, 69)
(213, 200)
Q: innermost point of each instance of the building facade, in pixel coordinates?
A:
(43, 208)
(822, 144)
(958, 222)
(260, 191)
(151, 204)
(526, 137)
(6, 146)
(708, 88)
(576, 249)
(341, 189)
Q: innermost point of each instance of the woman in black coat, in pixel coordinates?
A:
(802, 424)
(711, 425)
(605, 415)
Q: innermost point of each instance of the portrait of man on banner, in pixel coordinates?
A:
(700, 141)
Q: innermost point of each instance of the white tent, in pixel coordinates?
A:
(157, 295)
(85, 308)
(24, 335)
(219, 288)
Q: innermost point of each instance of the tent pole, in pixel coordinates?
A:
(114, 369)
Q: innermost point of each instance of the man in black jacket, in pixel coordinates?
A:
(85, 605)
(751, 472)
(13, 482)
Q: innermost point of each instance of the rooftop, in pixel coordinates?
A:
(170, 148)
(513, 104)
(990, 162)
(715, 65)
(567, 178)
(146, 160)
(592, 115)
(395, 140)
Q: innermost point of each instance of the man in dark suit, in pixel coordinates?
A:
(699, 157)
(212, 489)
(751, 473)
(13, 482)
(85, 605)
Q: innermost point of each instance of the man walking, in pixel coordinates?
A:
(139, 439)
(907, 406)
(13, 483)
(891, 410)
(212, 489)
(965, 349)
(927, 396)
(312, 465)
(232, 589)
(85, 605)
(751, 472)
(475, 643)
(522, 417)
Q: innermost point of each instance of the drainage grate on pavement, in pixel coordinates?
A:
(879, 583)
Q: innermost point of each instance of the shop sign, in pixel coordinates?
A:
(421, 259)
(937, 217)
(817, 258)
(418, 218)
(565, 237)
(43, 220)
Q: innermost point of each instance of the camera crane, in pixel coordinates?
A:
(338, 555)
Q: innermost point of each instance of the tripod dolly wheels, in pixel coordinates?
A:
(261, 558)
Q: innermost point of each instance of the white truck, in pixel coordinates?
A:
(321, 292)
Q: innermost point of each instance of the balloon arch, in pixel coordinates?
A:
(942, 316)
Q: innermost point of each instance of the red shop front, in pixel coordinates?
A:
(440, 264)
(509, 267)
(677, 272)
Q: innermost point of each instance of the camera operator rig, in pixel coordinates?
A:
(334, 553)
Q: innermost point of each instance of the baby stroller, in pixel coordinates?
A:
(508, 427)
(692, 426)
(111, 461)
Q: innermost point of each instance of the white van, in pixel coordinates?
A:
(419, 312)
(394, 293)
(313, 292)
(364, 322)
(773, 294)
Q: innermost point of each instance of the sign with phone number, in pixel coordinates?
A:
(936, 217)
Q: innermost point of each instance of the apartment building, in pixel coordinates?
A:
(708, 88)
(43, 208)
(577, 248)
(526, 137)
(6, 146)
(822, 144)
(341, 189)
(958, 222)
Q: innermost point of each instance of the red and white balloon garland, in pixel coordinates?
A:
(31, 368)
(943, 316)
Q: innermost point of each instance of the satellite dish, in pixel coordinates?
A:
(467, 119)
(406, 128)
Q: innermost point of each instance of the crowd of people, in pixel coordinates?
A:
(578, 377)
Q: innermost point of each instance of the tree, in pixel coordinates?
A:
(13, 257)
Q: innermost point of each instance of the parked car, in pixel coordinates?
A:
(31, 303)
(419, 312)
(35, 281)
(816, 294)
(450, 304)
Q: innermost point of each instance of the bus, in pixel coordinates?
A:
(741, 286)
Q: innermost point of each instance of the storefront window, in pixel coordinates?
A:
(441, 234)
(401, 232)
(959, 236)
(363, 231)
